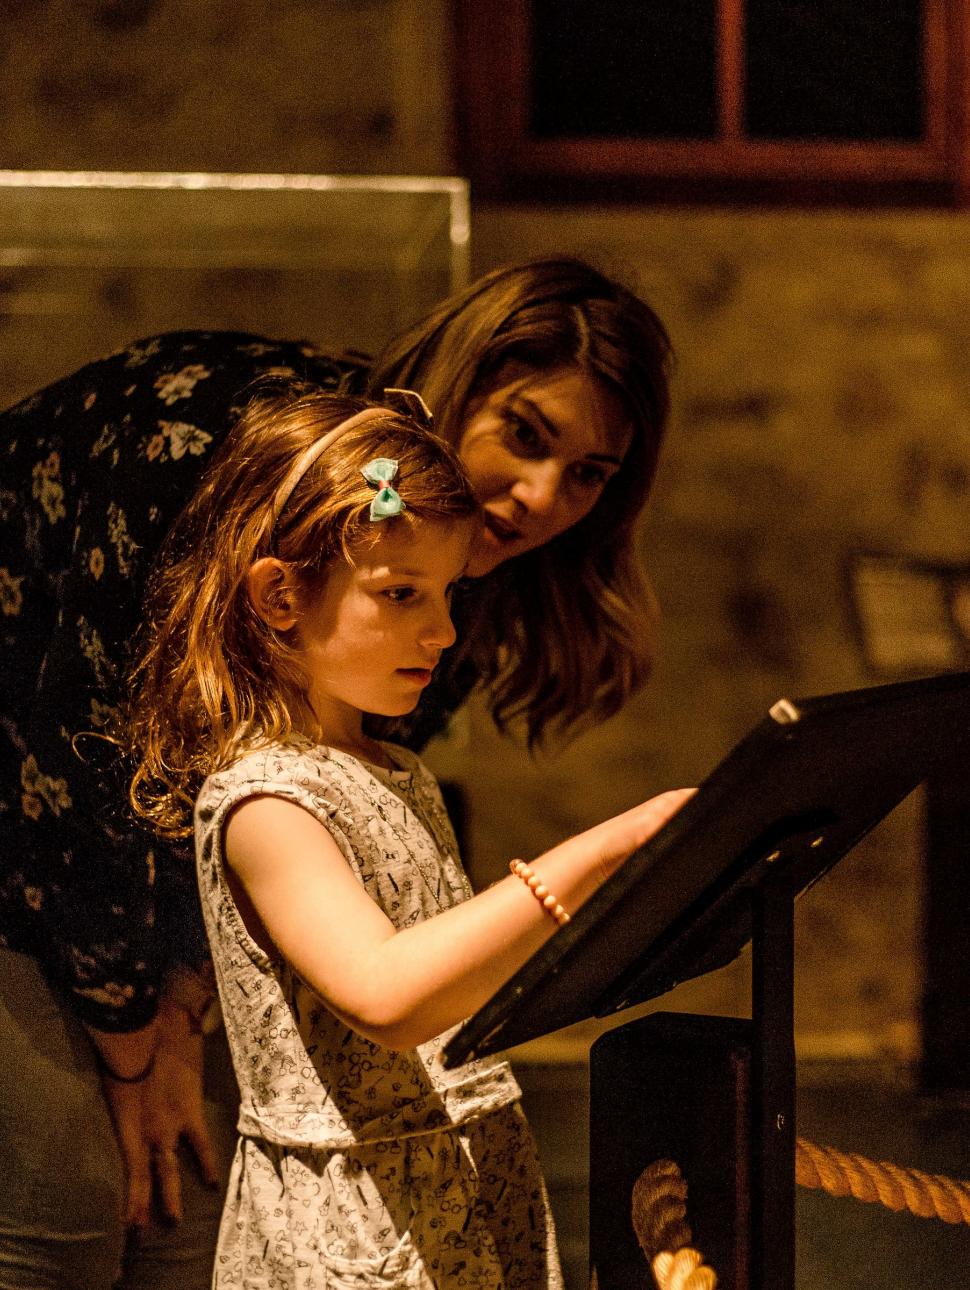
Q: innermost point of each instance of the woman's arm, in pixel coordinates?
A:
(99, 464)
(400, 988)
(152, 1082)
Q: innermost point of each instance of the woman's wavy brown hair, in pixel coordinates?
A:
(207, 669)
(562, 635)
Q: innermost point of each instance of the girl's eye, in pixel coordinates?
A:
(398, 595)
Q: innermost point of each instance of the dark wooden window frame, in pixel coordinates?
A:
(503, 160)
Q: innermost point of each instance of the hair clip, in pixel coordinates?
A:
(379, 473)
(411, 404)
(387, 502)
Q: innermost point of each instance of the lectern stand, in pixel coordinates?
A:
(782, 808)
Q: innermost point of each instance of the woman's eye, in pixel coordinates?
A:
(522, 434)
(398, 595)
(590, 474)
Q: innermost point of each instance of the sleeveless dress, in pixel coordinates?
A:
(359, 1166)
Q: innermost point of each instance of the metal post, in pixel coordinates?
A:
(773, 1086)
(945, 1065)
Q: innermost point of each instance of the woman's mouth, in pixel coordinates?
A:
(500, 528)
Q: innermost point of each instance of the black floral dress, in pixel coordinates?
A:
(94, 470)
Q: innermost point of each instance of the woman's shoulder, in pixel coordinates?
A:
(176, 363)
(172, 366)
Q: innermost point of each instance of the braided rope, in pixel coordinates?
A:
(659, 1214)
(659, 1204)
(684, 1270)
(659, 1209)
(843, 1173)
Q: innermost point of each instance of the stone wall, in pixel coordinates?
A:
(821, 407)
(298, 85)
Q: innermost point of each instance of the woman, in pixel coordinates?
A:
(551, 380)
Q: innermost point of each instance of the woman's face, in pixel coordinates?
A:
(539, 449)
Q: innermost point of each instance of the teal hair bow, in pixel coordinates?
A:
(380, 472)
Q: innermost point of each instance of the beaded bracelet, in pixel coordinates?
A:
(539, 890)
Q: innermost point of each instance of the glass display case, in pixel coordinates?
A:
(92, 260)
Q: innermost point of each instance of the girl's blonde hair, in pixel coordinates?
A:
(562, 635)
(208, 669)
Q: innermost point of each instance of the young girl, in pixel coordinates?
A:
(306, 584)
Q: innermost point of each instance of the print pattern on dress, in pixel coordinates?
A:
(361, 1166)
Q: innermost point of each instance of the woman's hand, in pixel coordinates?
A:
(152, 1116)
(173, 1106)
(127, 1056)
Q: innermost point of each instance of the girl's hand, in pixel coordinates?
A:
(615, 840)
(399, 987)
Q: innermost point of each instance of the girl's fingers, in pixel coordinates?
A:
(625, 833)
(641, 822)
(669, 803)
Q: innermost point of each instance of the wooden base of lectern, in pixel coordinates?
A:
(673, 1087)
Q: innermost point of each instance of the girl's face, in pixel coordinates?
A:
(539, 450)
(372, 637)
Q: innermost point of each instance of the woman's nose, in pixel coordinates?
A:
(538, 487)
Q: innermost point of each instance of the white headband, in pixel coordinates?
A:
(408, 401)
(309, 455)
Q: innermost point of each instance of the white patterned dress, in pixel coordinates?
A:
(359, 1166)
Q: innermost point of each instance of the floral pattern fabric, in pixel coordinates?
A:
(93, 470)
(360, 1166)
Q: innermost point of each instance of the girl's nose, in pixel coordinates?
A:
(538, 487)
(439, 631)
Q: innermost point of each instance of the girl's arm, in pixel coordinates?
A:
(401, 988)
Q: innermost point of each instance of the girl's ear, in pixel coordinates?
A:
(273, 593)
